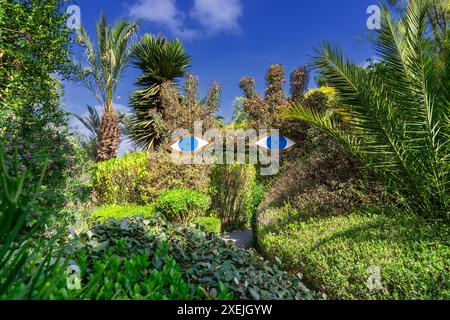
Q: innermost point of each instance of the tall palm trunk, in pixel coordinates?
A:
(101, 72)
(109, 136)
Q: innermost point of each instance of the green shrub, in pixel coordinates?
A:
(141, 177)
(120, 212)
(232, 194)
(182, 205)
(335, 254)
(111, 275)
(211, 224)
(207, 260)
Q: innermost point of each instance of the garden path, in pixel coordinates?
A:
(243, 239)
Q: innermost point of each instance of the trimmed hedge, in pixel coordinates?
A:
(182, 205)
(232, 194)
(211, 224)
(120, 212)
(141, 177)
(336, 254)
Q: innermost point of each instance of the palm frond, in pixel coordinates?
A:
(159, 61)
(399, 118)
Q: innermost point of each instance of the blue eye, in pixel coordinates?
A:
(276, 143)
(189, 144)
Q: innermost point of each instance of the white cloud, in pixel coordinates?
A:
(211, 16)
(218, 15)
(164, 12)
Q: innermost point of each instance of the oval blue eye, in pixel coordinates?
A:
(276, 143)
(188, 144)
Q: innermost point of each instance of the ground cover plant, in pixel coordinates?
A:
(207, 260)
(336, 254)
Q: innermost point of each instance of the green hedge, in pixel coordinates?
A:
(141, 177)
(211, 224)
(182, 205)
(335, 254)
(120, 212)
(232, 194)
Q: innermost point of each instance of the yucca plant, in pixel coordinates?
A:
(104, 67)
(159, 61)
(398, 120)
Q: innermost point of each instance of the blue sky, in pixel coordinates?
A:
(229, 39)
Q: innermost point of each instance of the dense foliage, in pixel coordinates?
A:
(335, 254)
(144, 227)
(397, 120)
(141, 177)
(22, 249)
(207, 260)
(34, 47)
(182, 205)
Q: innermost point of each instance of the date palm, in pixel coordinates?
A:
(398, 120)
(101, 73)
(159, 61)
(92, 122)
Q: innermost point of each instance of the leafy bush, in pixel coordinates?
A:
(141, 177)
(335, 254)
(207, 260)
(34, 49)
(110, 275)
(232, 194)
(120, 212)
(321, 179)
(182, 205)
(211, 224)
(398, 122)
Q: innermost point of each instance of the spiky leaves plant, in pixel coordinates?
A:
(104, 67)
(399, 122)
(159, 61)
(27, 261)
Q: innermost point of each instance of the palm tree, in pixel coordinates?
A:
(92, 122)
(104, 67)
(398, 120)
(160, 61)
(438, 19)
